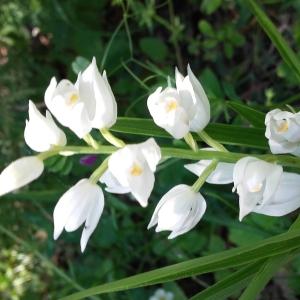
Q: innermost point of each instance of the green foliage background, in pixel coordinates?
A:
(139, 43)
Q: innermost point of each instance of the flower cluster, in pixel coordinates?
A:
(89, 103)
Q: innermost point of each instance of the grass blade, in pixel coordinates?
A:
(229, 285)
(267, 271)
(226, 259)
(253, 116)
(225, 134)
(287, 54)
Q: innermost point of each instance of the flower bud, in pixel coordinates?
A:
(178, 211)
(41, 133)
(19, 173)
(283, 131)
(82, 203)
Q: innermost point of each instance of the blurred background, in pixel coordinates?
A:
(138, 43)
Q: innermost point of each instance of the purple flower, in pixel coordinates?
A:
(88, 160)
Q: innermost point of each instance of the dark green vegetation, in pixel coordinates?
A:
(139, 43)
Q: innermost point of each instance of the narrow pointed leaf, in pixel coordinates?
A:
(229, 285)
(225, 134)
(253, 116)
(268, 269)
(226, 259)
(288, 55)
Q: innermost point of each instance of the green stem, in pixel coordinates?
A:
(111, 138)
(202, 178)
(174, 38)
(94, 178)
(230, 157)
(211, 142)
(191, 141)
(90, 141)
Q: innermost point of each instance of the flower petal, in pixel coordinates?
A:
(223, 174)
(112, 184)
(93, 217)
(19, 173)
(151, 152)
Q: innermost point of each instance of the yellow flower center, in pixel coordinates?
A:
(256, 188)
(284, 127)
(172, 105)
(73, 98)
(136, 170)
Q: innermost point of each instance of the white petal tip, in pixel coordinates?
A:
(143, 204)
(56, 235)
(83, 246)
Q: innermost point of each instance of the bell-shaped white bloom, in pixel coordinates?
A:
(256, 182)
(178, 211)
(180, 110)
(223, 174)
(87, 104)
(72, 107)
(189, 87)
(283, 131)
(19, 173)
(161, 294)
(41, 133)
(131, 169)
(82, 203)
(98, 86)
(285, 200)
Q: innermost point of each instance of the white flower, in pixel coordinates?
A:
(106, 106)
(19, 173)
(131, 169)
(223, 174)
(285, 200)
(180, 110)
(190, 87)
(283, 131)
(161, 294)
(71, 106)
(41, 133)
(178, 211)
(256, 182)
(87, 104)
(82, 203)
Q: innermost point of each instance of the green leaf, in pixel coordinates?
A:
(223, 260)
(211, 83)
(206, 28)
(229, 285)
(210, 6)
(225, 134)
(263, 276)
(154, 48)
(80, 64)
(253, 116)
(228, 49)
(279, 42)
(268, 269)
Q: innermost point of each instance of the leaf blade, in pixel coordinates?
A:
(225, 134)
(287, 54)
(253, 116)
(229, 258)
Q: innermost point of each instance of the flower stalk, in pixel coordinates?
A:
(91, 141)
(211, 142)
(189, 139)
(202, 178)
(94, 178)
(111, 138)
